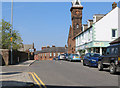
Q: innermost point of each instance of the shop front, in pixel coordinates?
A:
(92, 47)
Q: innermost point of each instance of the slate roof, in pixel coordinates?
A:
(52, 49)
(116, 41)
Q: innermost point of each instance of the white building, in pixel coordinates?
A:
(100, 32)
(119, 20)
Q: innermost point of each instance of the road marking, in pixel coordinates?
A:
(35, 79)
(40, 80)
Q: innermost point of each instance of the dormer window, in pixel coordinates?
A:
(77, 26)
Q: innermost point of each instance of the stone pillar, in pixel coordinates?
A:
(91, 50)
(86, 51)
(101, 50)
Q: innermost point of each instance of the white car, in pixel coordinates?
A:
(61, 57)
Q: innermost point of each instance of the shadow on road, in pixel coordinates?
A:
(10, 73)
(15, 84)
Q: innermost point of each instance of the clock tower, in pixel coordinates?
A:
(76, 17)
(76, 27)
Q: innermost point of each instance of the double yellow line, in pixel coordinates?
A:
(37, 79)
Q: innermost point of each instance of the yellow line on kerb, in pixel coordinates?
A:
(35, 79)
(40, 80)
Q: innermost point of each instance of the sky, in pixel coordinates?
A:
(47, 23)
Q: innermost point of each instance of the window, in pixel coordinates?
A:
(116, 50)
(77, 26)
(54, 54)
(50, 54)
(119, 50)
(58, 54)
(108, 51)
(114, 33)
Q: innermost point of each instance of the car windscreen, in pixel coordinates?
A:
(95, 55)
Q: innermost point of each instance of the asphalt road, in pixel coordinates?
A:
(64, 74)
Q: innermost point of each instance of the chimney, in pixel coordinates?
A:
(114, 5)
(43, 47)
(48, 46)
(85, 26)
(90, 22)
(65, 46)
(53, 45)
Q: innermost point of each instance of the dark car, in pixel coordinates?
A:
(91, 59)
(66, 56)
(111, 59)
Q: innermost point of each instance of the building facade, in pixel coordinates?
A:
(99, 33)
(48, 53)
(76, 17)
(119, 19)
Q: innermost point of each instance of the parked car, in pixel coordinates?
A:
(55, 58)
(74, 57)
(91, 59)
(111, 59)
(66, 56)
(61, 57)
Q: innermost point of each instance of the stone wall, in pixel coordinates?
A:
(4, 57)
(18, 56)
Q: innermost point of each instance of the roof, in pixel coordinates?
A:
(96, 21)
(85, 24)
(116, 41)
(26, 47)
(90, 20)
(99, 14)
(52, 50)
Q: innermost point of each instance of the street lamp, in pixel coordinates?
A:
(11, 31)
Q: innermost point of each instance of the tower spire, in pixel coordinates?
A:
(76, 3)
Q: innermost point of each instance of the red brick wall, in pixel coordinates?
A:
(45, 56)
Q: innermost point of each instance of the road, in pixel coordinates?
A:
(64, 74)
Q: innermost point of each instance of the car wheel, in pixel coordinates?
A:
(84, 63)
(70, 60)
(112, 68)
(100, 66)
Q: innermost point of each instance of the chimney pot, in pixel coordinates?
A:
(53, 45)
(114, 5)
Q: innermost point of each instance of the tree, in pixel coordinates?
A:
(6, 37)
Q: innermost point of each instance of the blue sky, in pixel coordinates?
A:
(47, 23)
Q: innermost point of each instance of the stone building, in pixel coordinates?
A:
(28, 48)
(48, 53)
(76, 17)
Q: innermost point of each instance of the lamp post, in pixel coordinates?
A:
(11, 32)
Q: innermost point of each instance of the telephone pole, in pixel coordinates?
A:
(11, 39)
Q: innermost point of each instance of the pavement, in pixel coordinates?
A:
(26, 63)
(16, 78)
